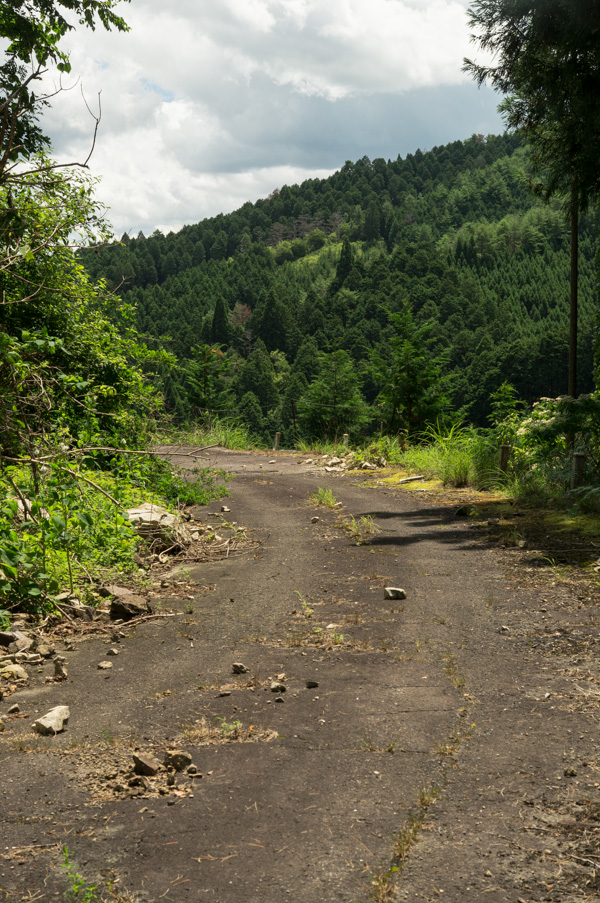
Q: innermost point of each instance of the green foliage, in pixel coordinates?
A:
(206, 376)
(324, 497)
(333, 404)
(67, 523)
(410, 377)
(79, 891)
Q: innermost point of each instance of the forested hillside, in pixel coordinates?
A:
(391, 292)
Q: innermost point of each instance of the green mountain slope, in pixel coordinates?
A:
(449, 242)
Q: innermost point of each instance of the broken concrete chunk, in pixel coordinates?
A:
(13, 672)
(145, 764)
(149, 516)
(15, 640)
(119, 592)
(239, 668)
(125, 609)
(394, 592)
(27, 658)
(177, 759)
(53, 722)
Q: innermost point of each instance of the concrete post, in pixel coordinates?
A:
(503, 455)
(577, 470)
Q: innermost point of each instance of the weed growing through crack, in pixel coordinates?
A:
(78, 891)
(452, 672)
(108, 735)
(382, 884)
(360, 527)
(229, 728)
(371, 746)
(324, 497)
(307, 611)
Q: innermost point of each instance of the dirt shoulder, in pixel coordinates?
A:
(429, 748)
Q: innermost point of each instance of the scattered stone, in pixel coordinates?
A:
(13, 672)
(239, 668)
(145, 764)
(280, 699)
(53, 722)
(193, 769)
(45, 651)
(338, 505)
(315, 520)
(15, 640)
(124, 609)
(278, 687)
(28, 658)
(104, 666)
(333, 462)
(224, 693)
(78, 610)
(2, 726)
(570, 772)
(272, 461)
(394, 592)
(14, 709)
(113, 652)
(170, 780)
(139, 781)
(381, 462)
(177, 759)
(366, 465)
(504, 629)
(312, 684)
(225, 509)
(60, 672)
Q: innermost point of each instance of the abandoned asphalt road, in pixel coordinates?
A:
(425, 759)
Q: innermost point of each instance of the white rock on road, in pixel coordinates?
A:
(53, 722)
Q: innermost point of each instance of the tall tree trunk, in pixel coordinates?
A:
(572, 391)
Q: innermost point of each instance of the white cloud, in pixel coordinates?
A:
(210, 104)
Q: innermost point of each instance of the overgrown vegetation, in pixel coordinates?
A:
(79, 408)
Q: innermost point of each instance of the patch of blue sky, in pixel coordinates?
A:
(156, 89)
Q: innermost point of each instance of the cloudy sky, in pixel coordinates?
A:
(207, 104)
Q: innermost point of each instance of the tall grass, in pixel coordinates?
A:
(458, 456)
(217, 432)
